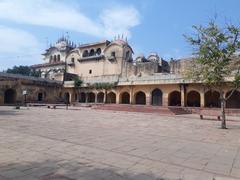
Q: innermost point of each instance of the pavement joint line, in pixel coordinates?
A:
(172, 137)
(234, 160)
(174, 164)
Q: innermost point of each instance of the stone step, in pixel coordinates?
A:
(141, 108)
(176, 110)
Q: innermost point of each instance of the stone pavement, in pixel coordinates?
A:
(86, 144)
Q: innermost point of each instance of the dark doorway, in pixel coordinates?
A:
(91, 97)
(40, 97)
(10, 96)
(111, 98)
(157, 97)
(125, 98)
(100, 97)
(140, 98)
(82, 97)
(212, 99)
(174, 98)
(193, 99)
(234, 100)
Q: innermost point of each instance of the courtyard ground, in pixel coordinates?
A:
(41, 143)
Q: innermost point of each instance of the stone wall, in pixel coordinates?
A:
(11, 91)
(180, 66)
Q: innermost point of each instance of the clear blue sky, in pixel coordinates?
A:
(151, 25)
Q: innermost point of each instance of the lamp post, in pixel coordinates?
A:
(25, 97)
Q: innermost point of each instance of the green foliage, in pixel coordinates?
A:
(105, 86)
(24, 70)
(77, 82)
(35, 73)
(214, 54)
(216, 59)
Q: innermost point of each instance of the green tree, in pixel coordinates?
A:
(24, 70)
(35, 73)
(77, 82)
(215, 59)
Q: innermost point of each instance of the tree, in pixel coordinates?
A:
(35, 73)
(77, 82)
(216, 60)
(24, 70)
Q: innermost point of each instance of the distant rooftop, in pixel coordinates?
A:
(94, 43)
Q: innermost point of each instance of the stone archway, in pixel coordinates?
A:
(10, 96)
(82, 97)
(125, 98)
(174, 98)
(234, 100)
(111, 98)
(140, 98)
(91, 97)
(193, 99)
(40, 97)
(157, 97)
(212, 99)
(100, 97)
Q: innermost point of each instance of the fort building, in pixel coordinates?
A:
(135, 79)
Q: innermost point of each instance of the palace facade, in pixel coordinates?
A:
(142, 80)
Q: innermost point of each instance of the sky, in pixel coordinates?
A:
(27, 27)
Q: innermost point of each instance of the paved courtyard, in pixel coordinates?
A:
(87, 144)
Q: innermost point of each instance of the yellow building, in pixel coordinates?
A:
(141, 80)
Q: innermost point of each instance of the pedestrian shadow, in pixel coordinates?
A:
(8, 112)
(70, 170)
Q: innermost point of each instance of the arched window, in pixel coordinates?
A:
(51, 59)
(212, 99)
(98, 52)
(40, 96)
(54, 58)
(111, 98)
(193, 99)
(127, 55)
(82, 97)
(125, 98)
(140, 98)
(174, 98)
(92, 53)
(100, 97)
(58, 57)
(234, 100)
(157, 97)
(91, 97)
(9, 96)
(113, 54)
(85, 53)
